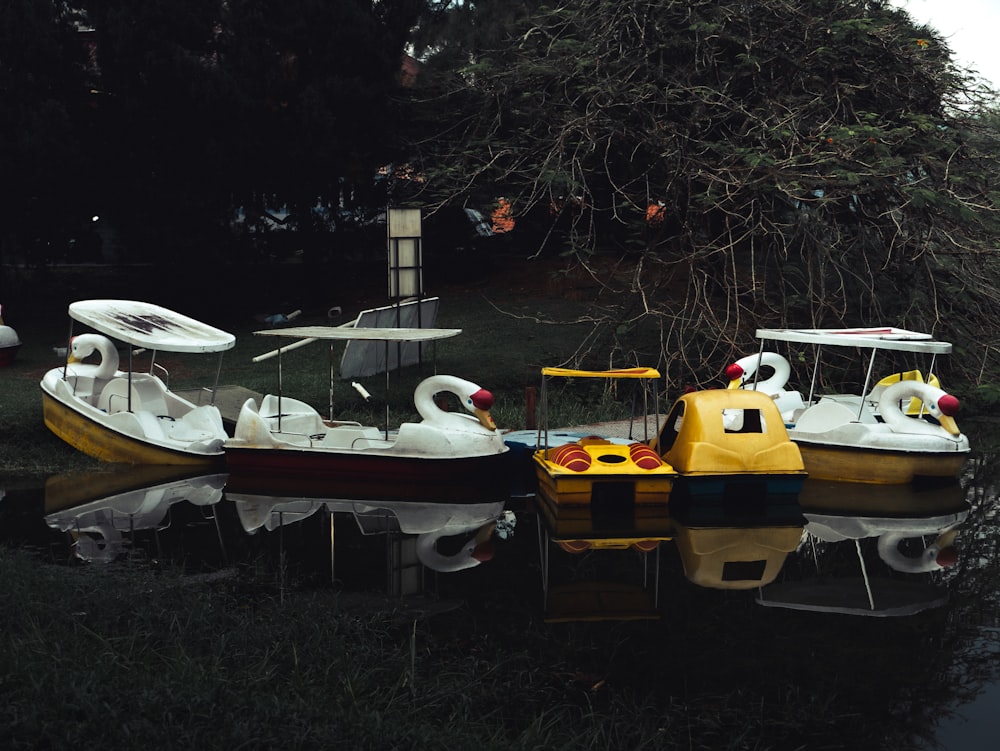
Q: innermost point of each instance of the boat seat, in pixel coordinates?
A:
(145, 394)
(151, 425)
(115, 397)
(864, 410)
(825, 415)
(150, 393)
(81, 386)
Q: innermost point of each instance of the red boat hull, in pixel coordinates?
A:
(369, 477)
(7, 354)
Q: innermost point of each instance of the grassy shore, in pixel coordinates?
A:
(132, 655)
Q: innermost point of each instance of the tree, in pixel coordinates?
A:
(210, 106)
(43, 160)
(817, 163)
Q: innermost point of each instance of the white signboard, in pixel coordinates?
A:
(363, 359)
(405, 253)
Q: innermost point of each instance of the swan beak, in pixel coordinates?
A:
(485, 419)
(735, 375)
(946, 539)
(948, 423)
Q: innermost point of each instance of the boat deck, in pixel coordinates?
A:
(229, 400)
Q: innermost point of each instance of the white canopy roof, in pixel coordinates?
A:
(367, 334)
(144, 324)
(883, 337)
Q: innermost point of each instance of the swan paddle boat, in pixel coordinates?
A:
(128, 416)
(899, 429)
(10, 343)
(449, 457)
(597, 470)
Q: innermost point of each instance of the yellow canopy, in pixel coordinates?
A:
(615, 373)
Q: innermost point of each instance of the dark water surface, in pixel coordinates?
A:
(917, 651)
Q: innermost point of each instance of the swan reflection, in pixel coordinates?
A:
(98, 508)
(900, 536)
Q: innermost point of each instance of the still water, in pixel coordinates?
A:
(892, 593)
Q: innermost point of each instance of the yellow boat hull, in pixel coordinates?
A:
(579, 522)
(735, 557)
(100, 442)
(610, 476)
(575, 491)
(878, 467)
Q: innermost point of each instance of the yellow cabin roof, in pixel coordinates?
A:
(720, 431)
(614, 373)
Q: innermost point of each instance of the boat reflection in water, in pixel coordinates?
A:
(103, 511)
(906, 531)
(97, 509)
(723, 542)
(898, 537)
(578, 536)
(423, 530)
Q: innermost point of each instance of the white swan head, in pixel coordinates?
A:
(940, 554)
(938, 404)
(84, 345)
(741, 376)
(477, 549)
(475, 399)
(740, 373)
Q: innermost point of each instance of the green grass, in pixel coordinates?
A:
(131, 655)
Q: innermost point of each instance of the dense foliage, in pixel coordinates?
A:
(196, 113)
(770, 163)
(716, 165)
(43, 93)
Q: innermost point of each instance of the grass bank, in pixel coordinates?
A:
(124, 657)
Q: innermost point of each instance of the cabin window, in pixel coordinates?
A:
(744, 421)
(671, 427)
(736, 571)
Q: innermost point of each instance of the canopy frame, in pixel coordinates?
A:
(873, 338)
(331, 334)
(615, 373)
